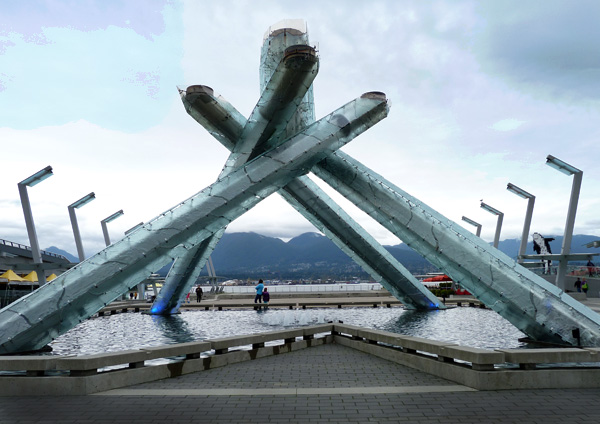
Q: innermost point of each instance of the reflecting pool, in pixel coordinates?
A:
(472, 327)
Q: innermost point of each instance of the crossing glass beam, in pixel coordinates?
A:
(281, 95)
(286, 106)
(34, 320)
(530, 303)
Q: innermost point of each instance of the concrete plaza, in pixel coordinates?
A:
(323, 384)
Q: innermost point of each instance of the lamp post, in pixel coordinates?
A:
(470, 221)
(106, 221)
(528, 214)
(577, 174)
(498, 224)
(83, 201)
(33, 240)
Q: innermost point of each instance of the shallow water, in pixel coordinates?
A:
(472, 327)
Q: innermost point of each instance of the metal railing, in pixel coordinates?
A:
(306, 288)
(572, 270)
(27, 248)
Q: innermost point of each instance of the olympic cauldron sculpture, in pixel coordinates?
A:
(272, 151)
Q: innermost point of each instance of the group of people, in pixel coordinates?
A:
(198, 295)
(581, 286)
(262, 294)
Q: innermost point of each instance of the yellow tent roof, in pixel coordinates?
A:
(11, 276)
(51, 277)
(32, 276)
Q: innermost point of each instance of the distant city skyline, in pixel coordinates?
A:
(481, 93)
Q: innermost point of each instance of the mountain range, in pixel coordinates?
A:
(314, 256)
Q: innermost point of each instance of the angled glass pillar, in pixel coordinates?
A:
(475, 224)
(106, 221)
(29, 224)
(530, 303)
(322, 211)
(73, 217)
(286, 106)
(226, 124)
(577, 174)
(34, 320)
(500, 216)
(528, 214)
(279, 100)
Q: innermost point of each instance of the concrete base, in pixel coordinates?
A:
(85, 385)
(567, 378)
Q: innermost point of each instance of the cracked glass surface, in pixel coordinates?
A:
(534, 306)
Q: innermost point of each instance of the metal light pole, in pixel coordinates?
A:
(498, 224)
(528, 214)
(107, 220)
(83, 201)
(33, 240)
(470, 221)
(567, 169)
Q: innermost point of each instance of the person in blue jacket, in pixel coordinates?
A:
(259, 291)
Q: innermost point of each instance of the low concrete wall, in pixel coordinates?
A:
(481, 369)
(87, 374)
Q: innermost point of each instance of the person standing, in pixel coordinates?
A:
(266, 296)
(591, 268)
(259, 291)
(198, 294)
(584, 286)
(578, 285)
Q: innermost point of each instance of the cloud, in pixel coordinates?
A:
(548, 48)
(507, 124)
(473, 108)
(54, 73)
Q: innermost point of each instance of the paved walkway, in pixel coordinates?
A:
(324, 384)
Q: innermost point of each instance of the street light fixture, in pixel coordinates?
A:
(528, 214)
(498, 224)
(81, 202)
(106, 221)
(33, 240)
(135, 227)
(567, 169)
(476, 224)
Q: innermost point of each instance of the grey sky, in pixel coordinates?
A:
(481, 92)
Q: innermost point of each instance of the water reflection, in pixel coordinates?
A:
(472, 327)
(174, 329)
(464, 326)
